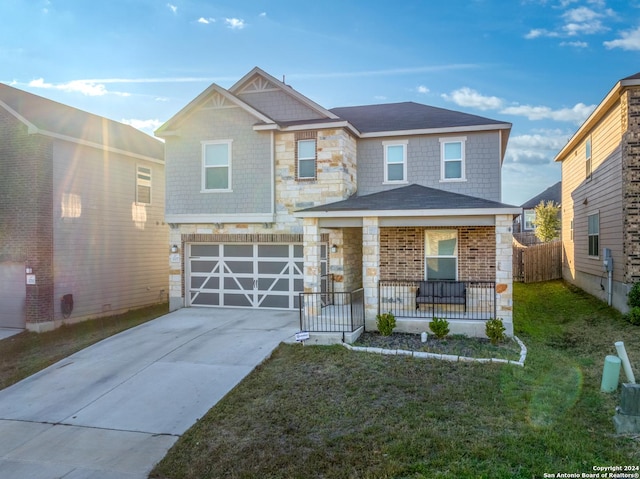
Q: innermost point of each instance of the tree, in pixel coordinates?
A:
(547, 221)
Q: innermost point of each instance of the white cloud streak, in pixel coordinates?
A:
(576, 114)
(536, 149)
(422, 89)
(85, 87)
(173, 8)
(148, 126)
(468, 97)
(206, 21)
(630, 40)
(235, 23)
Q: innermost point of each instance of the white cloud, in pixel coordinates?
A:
(630, 40)
(535, 149)
(173, 8)
(574, 44)
(263, 14)
(422, 89)
(85, 87)
(580, 14)
(576, 114)
(206, 21)
(143, 125)
(380, 97)
(235, 23)
(470, 98)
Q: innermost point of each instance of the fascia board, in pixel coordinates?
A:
(437, 131)
(595, 116)
(406, 213)
(31, 128)
(285, 88)
(309, 126)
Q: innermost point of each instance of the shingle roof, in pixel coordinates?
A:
(553, 193)
(633, 77)
(53, 117)
(411, 197)
(407, 116)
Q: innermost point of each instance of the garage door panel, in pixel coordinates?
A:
(246, 275)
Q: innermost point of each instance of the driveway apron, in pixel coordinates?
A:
(114, 409)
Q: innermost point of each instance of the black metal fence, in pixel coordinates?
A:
(328, 312)
(442, 299)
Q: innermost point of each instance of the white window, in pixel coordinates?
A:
(306, 159)
(216, 165)
(143, 185)
(452, 154)
(529, 218)
(395, 161)
(441, 252)
(593, 234)
(587, 157)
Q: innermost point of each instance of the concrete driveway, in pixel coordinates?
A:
(114, 409)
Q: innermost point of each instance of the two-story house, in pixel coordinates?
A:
(601, 197)
(269, 192)
(82, 231)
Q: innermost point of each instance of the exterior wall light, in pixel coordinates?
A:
(334, 249)
(174, 248)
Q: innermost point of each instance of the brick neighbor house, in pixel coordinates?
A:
(81, 214)
(601, 196)
(270, 195)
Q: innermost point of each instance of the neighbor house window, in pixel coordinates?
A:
(143, 185)
(441, 254)
(571, 230)
(216, 165)
(593, 232)
(395, 161)
(587, 155)
(529, 218)
(452, 154)
(306, 155)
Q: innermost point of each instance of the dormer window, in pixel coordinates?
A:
(395, 161)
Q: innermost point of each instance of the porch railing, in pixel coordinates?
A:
(329, 312)
(443, 299)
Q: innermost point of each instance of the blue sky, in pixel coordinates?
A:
(542, 65)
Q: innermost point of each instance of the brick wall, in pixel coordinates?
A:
(26, 210)
(402, 253)
(630, 111)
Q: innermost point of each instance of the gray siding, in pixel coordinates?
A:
(279, 106)
(482, 165)
(110, 253)
(251, 177)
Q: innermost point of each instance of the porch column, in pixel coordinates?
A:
(370, 267)
(504, 271)
(312, 268)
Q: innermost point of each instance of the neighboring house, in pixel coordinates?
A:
(601, 196)
(81, 214)
(523, 226)
(267, 192)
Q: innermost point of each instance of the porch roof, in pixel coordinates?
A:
(412, 200)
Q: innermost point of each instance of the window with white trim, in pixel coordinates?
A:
(529, 218)
(216, 165)
(441, 254)
(452, 152)
(587, 157)
(395, 161)
(593, 234)
(306, 154)
(143, 185)
(571, 230)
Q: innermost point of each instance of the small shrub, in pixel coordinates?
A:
(633, 299)
(494, 329)
(386, 322)
(439, 327)
(633, 316)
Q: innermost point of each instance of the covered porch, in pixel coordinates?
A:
(416, 252)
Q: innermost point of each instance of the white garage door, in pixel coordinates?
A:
(245, 275)
(13, 295)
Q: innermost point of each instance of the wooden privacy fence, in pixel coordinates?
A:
(542, 262)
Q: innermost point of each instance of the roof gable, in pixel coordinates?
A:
(213, 97)
(50, 118)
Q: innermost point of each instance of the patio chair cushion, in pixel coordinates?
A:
(441, 292)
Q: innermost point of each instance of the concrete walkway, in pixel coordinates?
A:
(114, 409)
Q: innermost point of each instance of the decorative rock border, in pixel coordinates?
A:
(443, 357)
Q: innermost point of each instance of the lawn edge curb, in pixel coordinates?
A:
(442, 357)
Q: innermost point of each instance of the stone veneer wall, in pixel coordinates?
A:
(630, 111)
(336, 173)
(402, 253)
(346, 263)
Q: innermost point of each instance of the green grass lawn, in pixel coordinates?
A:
(312, 411)
(27, 353)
